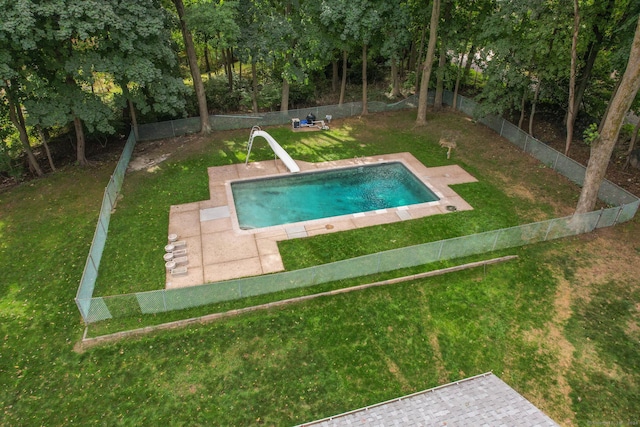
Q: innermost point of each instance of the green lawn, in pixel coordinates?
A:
(576, 359)
(132, 261)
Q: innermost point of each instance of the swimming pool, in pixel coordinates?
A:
(313, 195)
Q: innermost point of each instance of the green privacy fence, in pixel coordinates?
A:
(102, 308)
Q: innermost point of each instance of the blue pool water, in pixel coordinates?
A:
(306, 196)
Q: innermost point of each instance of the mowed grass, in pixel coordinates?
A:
(133, 261)
(578, 361)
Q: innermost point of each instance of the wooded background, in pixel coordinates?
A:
(89, 69)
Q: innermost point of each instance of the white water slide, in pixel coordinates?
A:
(277, 149)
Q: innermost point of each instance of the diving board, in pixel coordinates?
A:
(277, 149)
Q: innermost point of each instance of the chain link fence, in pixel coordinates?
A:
(84, 294)
(92, 309)
(174, 128)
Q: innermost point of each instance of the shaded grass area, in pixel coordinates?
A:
(606, 334)
(310, 360)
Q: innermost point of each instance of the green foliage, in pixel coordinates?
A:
(269, 96)
(8, 155)
(590, 134)
(301, 94)
(57, 53)
(626, 132)
(410, 81)
(214, 22)
(10, 146)
(525, 44)
(219, 98)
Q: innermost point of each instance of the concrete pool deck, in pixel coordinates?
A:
(218, 250)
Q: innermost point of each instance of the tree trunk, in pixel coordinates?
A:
(207, 62)
(591, 53)
(411, 61)
(458, 76)
(442, 62)
(602, 147)
(343, 85)
(428, 64)
(132, 109)
(225, 63)
(395, 79)
(467, 66)
(80, 142)
(533, 107)
(523, 103)
(205, 126)
(229, 68)
(284, 102)
(632, 144)
(134, 119)
(365, 110)
(43, 138)
(606, 110)
(14, 113)
(254, 91)
(423, 37)
(571, 112)
(335, 79)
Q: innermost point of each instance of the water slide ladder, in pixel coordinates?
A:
(277, 149)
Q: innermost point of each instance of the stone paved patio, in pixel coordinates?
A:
(219, 250)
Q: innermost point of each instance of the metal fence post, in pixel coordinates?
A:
(495, 241)
(620, 208)
(599, 218)
(546, 235)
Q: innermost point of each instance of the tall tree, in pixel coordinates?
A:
(216, 22)
(523, 44)
(571, 107)
(255, 41)
(329, 21)
(428, 64)
(601, 22)
(395, 39)
(602, 147)
(11, 72)
(357, 23)
(205, 126)
(17, 118)
(140, 60)
(445, 39)
(58, 41)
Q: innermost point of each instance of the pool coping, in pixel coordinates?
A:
(217, 249)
